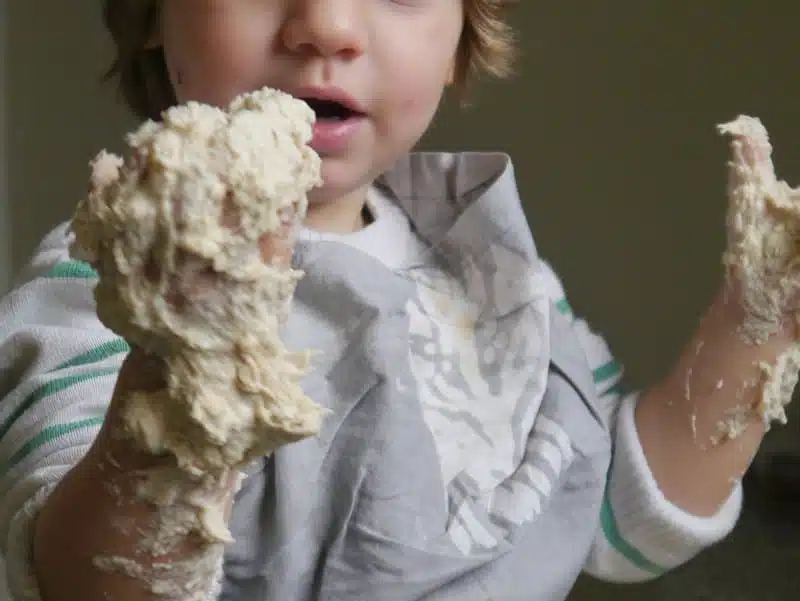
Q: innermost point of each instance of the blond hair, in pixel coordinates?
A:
(486, 46)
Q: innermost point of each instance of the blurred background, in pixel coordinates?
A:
(610, 121)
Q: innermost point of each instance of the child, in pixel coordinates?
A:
(478, 446)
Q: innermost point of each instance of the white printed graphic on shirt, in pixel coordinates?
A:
(480, 382)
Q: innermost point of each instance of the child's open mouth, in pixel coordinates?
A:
(337, 123)
(331, 110)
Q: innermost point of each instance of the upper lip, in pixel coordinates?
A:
(331, 94)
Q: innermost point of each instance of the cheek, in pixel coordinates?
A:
(181, 82)
(178, 80)
(202, 79)
(415, 103)
(185, 82)
(411, 104)
(419, 75)
(213, 64)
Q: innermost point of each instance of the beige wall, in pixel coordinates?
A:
(5, 225)
(5, 242)
(59, 115)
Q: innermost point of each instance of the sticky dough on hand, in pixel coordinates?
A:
(763, 255)
(175, 234)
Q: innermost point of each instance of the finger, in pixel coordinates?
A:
(275, 250)
(193, 277)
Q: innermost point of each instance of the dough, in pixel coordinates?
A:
(179, 233)
(176, 233)
(763, 255)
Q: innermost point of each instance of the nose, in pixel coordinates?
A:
(326, 27)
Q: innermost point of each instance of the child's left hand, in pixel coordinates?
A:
(763, 254)
(702, 426)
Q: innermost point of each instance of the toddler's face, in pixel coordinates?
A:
(385, 61)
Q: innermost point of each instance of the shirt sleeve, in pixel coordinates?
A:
(58, 366)
(641, 534)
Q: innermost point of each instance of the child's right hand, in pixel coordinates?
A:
(190, 283)
(195, 271)
(193, 284)
(192, 238)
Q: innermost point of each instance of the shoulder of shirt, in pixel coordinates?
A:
(51, 261)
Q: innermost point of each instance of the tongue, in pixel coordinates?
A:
(328, 110)
(328, 117)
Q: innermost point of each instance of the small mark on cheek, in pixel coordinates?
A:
(411, 105)
(179, 78)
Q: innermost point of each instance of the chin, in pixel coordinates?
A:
(341, 177)
(321, 195)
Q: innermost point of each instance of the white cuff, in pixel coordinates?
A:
(640, 523)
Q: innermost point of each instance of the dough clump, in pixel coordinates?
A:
(763, 255)
(179, 233)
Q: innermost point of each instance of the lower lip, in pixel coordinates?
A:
(330, 136)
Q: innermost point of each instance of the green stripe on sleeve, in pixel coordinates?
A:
(606, 371)
(71, 269)
(611, 531)
(97, 354)
(50, 388)
(48, 435)
(616, 389)
(563, 307)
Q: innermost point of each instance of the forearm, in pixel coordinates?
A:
(701, 427)
(98, 552)
(114, 544)
(121, 541)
